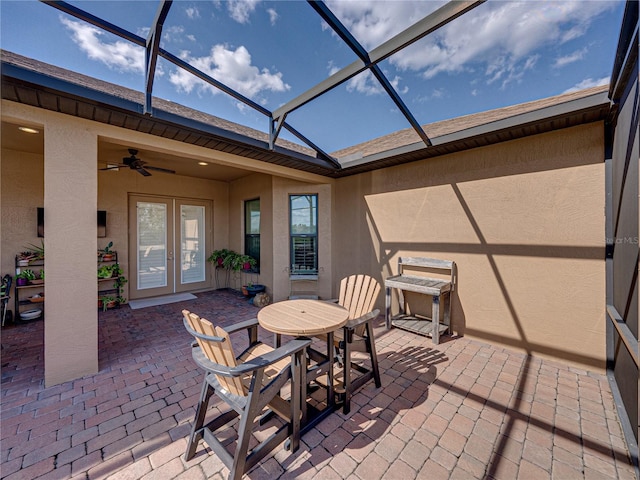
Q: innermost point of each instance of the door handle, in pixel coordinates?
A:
(170, 256)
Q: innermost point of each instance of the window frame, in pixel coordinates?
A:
(315, 235)
(248, 235)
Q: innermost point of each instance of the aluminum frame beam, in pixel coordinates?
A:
(367, 60)
(151, 54)
(329, 17)
(420, 29)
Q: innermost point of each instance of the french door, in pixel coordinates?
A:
(168, 241)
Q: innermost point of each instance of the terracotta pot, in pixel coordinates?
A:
(245, 292)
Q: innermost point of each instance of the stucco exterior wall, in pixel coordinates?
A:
(282, 188)
(114, 188)
(524, 222)
(22, 182)
(250, 188)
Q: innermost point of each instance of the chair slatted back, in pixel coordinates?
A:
(358, 294)
(218, 352)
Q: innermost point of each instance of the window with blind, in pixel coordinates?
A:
(252, 230)
(303, 211)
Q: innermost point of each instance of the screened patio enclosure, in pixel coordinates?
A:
(515, 196)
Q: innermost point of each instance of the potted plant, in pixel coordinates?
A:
(21, 279)
(39, 279)
(106, 302)
(24, 277)
(218, 257)
(105, 271)
(106, 254)
(36, 251)
(116, 270)
(23, 258)
(242, 262)
(253, 289)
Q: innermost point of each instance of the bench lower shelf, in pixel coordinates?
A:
(417, 324)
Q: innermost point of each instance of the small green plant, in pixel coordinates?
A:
(107, 249)
(219, 256)
(41, 274)
(241, 261)
(34, 251)
(105, 271)
(107, 301)
(27, 274)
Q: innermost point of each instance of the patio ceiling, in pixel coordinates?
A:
(42, 85)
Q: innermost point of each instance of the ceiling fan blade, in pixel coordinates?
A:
(143, 172)
(158, 169)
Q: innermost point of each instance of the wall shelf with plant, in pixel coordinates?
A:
(111, 279)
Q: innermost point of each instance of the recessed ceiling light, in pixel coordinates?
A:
(28, 130)
(203, 163)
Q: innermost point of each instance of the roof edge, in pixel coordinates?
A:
(590, 102)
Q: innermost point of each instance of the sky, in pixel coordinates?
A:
(500, 53)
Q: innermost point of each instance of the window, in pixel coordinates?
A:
(252, 230)
(303, 210)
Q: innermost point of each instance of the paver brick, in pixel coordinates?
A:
(484, 412)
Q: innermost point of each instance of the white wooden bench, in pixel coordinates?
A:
(436, 287)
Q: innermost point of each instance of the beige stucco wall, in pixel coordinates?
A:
(77, 187)
(282, 188)
(114, 188)
(524, 222)
(250, 188)
(22, 183)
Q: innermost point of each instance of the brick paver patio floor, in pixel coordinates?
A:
(458, 410)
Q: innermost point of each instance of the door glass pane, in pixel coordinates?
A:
(152, 245)
(192, 244)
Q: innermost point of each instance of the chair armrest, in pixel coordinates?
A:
(351, 324)
(211, 367)
(270, 358)
(254, 364)
(236, 327)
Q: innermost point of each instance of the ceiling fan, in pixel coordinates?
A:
(138, 165)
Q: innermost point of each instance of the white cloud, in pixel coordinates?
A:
(231, 67)
(273, 16)
(588, 83)
(192, 12)
(118, 55)
(173, 34)
(395, 83)
(502, 36)
(572, 57)
(365, 83)
(240, 10)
